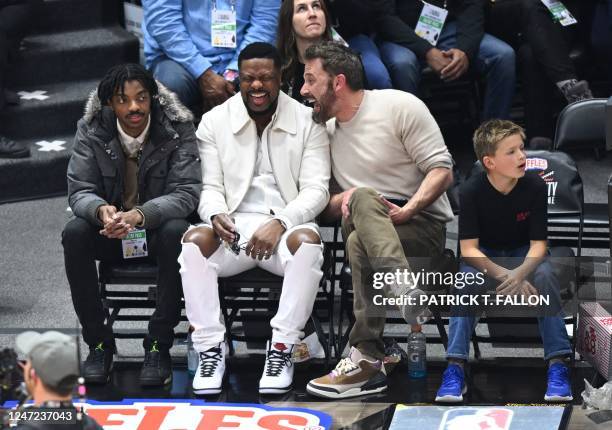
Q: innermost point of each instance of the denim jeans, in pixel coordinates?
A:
(495, 61)
(552, 328)
(178, 80)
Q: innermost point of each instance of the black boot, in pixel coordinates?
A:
(157, 366)
(99, 363)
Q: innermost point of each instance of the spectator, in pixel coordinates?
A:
(50, 374)
(392, 202)
(134, 165)
(268, 213)
(186, 51)
(301, 23)
(543, 57)
(356, 20)
(461, 46)
(502, 233)
(15, 16)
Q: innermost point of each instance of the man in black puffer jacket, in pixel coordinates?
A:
(135, 165)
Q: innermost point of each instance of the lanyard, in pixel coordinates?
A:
(445, 3)
(233, 4)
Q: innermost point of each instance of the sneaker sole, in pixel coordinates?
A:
(452, 399)
(275, 390)
(100, 380)
(207, 391)
(334, 394)
(558, 398)
(20, 154)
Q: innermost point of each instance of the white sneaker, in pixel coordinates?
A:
(277, 376)
(208, 378)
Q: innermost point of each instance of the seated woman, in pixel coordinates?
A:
(301, 23)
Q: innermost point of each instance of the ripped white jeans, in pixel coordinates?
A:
(302, 273)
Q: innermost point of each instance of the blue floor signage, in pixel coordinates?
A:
(477, 417)
(162, 414)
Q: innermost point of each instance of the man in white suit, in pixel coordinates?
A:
(266, 169)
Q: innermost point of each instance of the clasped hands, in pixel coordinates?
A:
(513, 283)
(262, 244)
(118, 224)
(448, 65)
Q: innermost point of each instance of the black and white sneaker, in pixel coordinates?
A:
(277, 376)
(208, 378)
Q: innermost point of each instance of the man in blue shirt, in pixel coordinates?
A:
(192, 46)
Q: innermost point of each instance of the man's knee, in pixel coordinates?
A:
(545, 278)
(204, 238)
(76, 232)
(303, 235)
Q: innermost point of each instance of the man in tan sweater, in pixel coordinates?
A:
(392, 167)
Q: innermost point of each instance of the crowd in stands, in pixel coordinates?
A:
(15, 19)
(262, 167)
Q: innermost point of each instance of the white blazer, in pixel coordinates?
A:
(299, 156)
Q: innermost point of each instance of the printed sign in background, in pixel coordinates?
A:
(171, 414)
(478, 417)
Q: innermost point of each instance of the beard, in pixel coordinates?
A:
(325, 105)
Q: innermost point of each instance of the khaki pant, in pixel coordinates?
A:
(374, 244)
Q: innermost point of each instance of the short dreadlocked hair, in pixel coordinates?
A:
(115, 79)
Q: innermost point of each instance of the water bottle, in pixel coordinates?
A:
(192, 357)
(417, 353)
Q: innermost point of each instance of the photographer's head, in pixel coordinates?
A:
(52, 368)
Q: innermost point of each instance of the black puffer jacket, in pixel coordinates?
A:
(169, 175)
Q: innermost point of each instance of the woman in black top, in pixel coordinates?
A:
(301, 23)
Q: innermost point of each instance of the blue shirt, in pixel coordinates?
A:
(180, 30)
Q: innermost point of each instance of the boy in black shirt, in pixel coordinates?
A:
(503, 217)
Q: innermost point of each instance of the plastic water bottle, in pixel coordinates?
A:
(417, 353)
(192, 357)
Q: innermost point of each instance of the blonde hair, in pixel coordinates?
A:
(490, 133)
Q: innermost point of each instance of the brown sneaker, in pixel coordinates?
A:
(353, 376)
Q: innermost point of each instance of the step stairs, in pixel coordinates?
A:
(70, 47)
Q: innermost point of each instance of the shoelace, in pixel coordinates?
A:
(276, 361)
(344, 366)
(209, 361)
(152, 359)
(451, 377)
(557, 375)
(96, 354)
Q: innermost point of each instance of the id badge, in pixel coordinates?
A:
(135, 244)
(560, 12)
(431, 22)
(223, 28)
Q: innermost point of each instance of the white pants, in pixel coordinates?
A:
(302, 273)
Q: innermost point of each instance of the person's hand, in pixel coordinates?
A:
(214, 88)
(399, 215)
(224, 227)
(436, 60)
(510, 279)
(265, 239)
(458, 65)
(121, 223)
(523, 288)
(106, 212)
(346, 198)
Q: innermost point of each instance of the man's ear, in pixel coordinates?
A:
(339, 82)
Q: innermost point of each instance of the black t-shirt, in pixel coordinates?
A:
(501, 221)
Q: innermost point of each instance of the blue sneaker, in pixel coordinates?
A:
(559, 387)
(453, 385)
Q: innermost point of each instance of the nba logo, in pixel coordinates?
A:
(476, 419)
